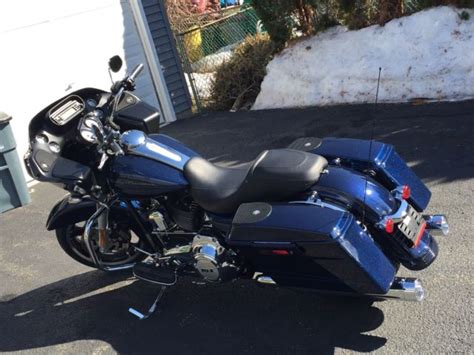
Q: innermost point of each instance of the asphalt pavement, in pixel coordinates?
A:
(51, 304)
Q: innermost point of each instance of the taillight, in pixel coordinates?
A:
(389, 226)
(406, 192)
(280, 252)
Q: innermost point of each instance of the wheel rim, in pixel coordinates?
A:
(115, 256)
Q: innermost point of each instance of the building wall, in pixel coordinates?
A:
(164, 43)
(49, 48)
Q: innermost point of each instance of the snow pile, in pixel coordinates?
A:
(211, 62)
(427, 55)
(202, 83)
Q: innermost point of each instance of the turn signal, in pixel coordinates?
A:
(406, 192)
(389, 226)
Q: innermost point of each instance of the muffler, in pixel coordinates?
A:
(406, 289)
(403, 288)
(437, 224)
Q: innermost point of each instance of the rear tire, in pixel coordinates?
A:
(71, 241)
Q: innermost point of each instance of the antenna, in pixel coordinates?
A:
(371, 141)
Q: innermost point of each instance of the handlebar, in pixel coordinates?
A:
(136, 72)
(108, 138)
(117, 90)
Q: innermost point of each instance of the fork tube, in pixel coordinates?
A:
(103, 225)
(87, 235)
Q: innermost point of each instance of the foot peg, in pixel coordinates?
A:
(160, 275)
(152, 309)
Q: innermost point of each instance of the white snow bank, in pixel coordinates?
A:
(427, 55)
(202, 84)
(210, 63)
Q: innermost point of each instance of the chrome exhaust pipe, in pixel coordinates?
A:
(437, 224)
(403, 288)
(266, 280)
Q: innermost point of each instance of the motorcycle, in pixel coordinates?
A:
(332, 215)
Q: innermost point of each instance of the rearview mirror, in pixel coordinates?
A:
(115, 63)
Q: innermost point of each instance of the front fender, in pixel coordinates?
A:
(69, 211)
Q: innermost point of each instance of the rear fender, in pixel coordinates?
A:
(389, 168)
(356, 192)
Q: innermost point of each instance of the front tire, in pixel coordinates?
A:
(71, 240)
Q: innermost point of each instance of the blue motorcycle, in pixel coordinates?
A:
(331, 215)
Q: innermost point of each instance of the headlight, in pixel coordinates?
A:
(41, 138)
(54, 147)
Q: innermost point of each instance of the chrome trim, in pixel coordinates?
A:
(401, 212)
(397, 216)
(132, 139)
(138, 143)
(156, 282)
(406, 289)
(402, 288)
(398, 192)
(118, 268)
(266, 280)
(87, 235)
(437, 224)
(90, 248)
(319, 203)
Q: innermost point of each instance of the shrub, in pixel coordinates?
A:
(237, 81)
(418, 5)
(275, 16)
(355, 14)
(388, 10)
(281, 17)
(464, 16)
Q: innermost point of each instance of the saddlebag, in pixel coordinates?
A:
(388, 167)
(302, 245)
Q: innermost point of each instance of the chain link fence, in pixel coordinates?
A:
(205, 41)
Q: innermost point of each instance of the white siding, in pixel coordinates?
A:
(51, 47)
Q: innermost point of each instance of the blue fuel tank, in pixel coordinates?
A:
(147, 170)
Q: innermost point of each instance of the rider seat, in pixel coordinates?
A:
(274, 176)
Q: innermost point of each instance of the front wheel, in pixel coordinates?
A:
(120, 251)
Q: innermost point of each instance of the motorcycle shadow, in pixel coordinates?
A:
(236, 317)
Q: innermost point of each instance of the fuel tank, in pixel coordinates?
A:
(137, 176)
(153, 165)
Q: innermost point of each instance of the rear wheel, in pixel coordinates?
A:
(120, 251)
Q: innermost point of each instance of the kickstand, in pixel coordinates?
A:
(152, 309)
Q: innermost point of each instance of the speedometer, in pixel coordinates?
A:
(66, 110)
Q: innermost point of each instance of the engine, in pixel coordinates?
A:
(212, 260)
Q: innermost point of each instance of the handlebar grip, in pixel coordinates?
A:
(136, 72)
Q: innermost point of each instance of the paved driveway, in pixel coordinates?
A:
(49, 303)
